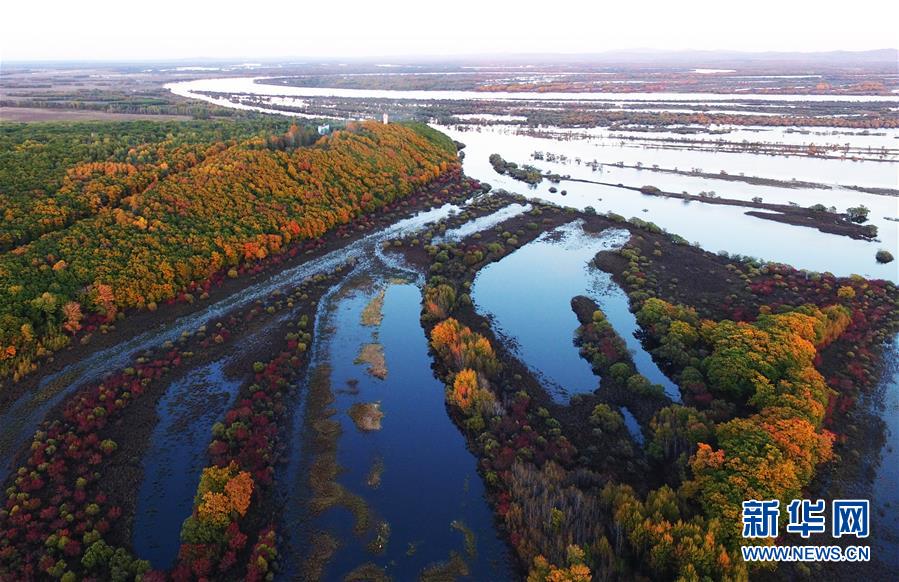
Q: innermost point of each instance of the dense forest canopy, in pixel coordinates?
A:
(104, 217)
(52, 174)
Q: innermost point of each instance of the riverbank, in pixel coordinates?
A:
(237, 340)
(450, 189)
(853, 365)
(758, 181)
(652, 265)
(822, 220)
(123, 475)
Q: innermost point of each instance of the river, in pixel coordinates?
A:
(249, 85)
(715, 228)
(427, 489)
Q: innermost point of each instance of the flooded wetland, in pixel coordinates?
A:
(478, 370)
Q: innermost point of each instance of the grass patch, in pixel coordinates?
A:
(326, 492)
(373, 479)
(366, 415)
(358, 507)
(447, 571)
(378, 544)
(367, 573)
(322, 548)
(373, 314)
(471, 539)
(373, 355)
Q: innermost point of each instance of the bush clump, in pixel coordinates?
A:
(884, 256)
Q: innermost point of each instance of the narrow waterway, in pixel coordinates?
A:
(527, 296)
(175, 459)
(885, 500)
(420, 487)
(19, 421)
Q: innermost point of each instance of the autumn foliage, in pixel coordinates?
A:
(133, 234)
(575, 571)
(771, 454)
(223, 492)
(57, 512)
(463, 347)
(755, 422)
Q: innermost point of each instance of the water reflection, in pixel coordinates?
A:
(527, 295)
(885, 498)
(425, 478)
(175, 459)
(713, 227)
(19, 421)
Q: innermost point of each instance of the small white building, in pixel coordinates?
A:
(384, 117)
(324, 129)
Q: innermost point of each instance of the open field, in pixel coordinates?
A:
(32, 114)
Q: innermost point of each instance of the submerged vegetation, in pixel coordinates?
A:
(63, 515)
(367, 417)
(373, 355)
(227, 524)
(372, 315)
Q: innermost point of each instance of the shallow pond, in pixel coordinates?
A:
(527, 296)
(709, 160)
(871, 143)
(714, 228)
(633, 426)
(482, 223)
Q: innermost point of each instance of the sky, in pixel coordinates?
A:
(186, 29)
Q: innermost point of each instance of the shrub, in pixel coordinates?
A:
(884, 256)
(439, 300)
(605, 420)
(858, 213)
(846, 292)
(223, 495)
(462, 348)
(620, 372)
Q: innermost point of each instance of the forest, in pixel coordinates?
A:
(96, 226)
(765, 393)
(105, 222)
(70, 506)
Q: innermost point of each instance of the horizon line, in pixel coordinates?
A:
(637, 51)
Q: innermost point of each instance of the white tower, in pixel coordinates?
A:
(384, 117)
